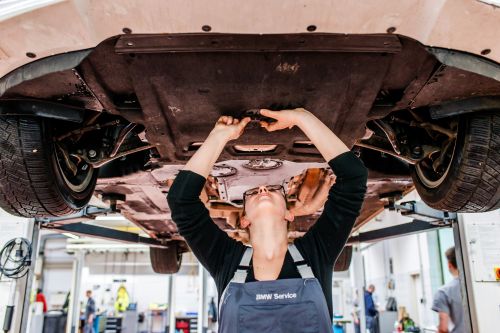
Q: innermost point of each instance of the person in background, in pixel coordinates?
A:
(122, 300)
(212, 311)
(370, 310)
(448, 299)
(40, 297)
(89, 313)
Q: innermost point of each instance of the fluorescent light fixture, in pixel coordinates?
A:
(69, 235)
(111, 218)
(108, 247)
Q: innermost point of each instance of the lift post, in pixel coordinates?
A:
(464, 276)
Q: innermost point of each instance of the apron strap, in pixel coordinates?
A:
(241, 273)
(304, 270)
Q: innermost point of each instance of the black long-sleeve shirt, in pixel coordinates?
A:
(320, 246)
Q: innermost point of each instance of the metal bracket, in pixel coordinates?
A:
(420, 211)
(74, 224)
(43, 109)
(87, 213)
(425, 219)
(108, 233)
(405, 229)
(213, 42)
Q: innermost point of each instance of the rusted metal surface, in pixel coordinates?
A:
(179, 95)
(453, 84)
(344, 79)
(307, 192)
(196, 43)
(184, 101)
(65, 87)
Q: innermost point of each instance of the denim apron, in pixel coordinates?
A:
(278, 306)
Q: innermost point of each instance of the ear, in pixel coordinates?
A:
(289, 216)
(244, 222)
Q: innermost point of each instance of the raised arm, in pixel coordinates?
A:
(226, 129)
(192, 218)
(330, 232)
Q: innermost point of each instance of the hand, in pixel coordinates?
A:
(284, 118)
(230, 128)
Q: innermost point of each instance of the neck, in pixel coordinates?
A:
(270, 241)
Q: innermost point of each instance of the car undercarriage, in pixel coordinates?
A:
(121, 120)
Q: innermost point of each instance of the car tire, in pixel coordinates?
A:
(344, 260)
(166, 260)
(472, 180)
(32, 183)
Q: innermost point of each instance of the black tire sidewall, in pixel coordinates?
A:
(344, 259)
(166, 260)
(435, 197)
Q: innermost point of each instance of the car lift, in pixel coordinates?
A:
(425, 218)
(75, 224)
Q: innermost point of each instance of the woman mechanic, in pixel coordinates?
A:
(271, 286)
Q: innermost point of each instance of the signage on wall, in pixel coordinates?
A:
(484, 250)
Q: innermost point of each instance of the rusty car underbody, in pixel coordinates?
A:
(137, 106)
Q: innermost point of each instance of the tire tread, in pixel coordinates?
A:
(165, 260)
(26, 186)
(477, 187)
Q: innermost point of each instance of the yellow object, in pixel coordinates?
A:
(122, 300)
(497, 273)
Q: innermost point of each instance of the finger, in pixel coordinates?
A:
(269, 113)
(222, 119)
(271, 127)
(263, 124)
(236, 121)
(229, 120)
(244, 122)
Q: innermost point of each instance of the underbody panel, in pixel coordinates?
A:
(178, 85)
(143, 195)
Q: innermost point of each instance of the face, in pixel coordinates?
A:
(264, 201)
(89, 294)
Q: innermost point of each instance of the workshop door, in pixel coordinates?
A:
(416, 297)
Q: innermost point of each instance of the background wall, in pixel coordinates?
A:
(56, 265)
(142, 289)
